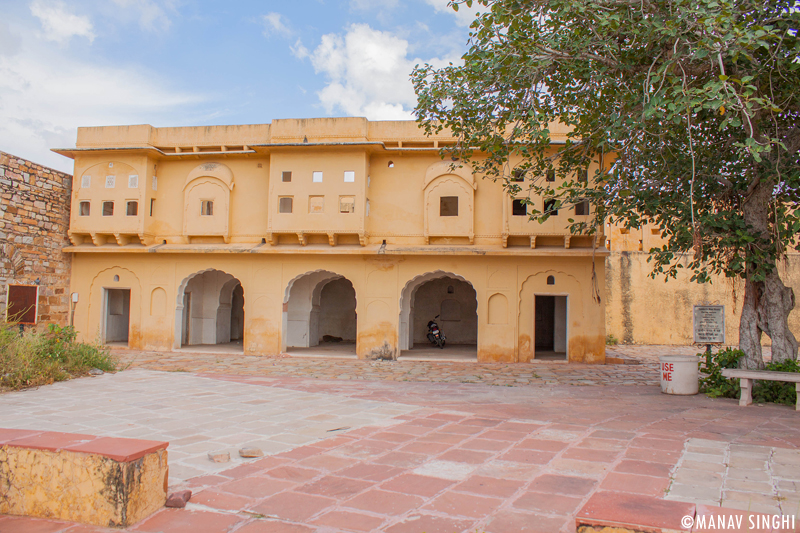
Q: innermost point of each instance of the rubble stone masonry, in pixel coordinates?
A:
(34, 218)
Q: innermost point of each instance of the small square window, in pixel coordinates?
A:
(285, 204)
(111, 182)
(583, 175)
(155, 183)
(133, 181)
(316, 204)
(519, 208)
(518, 175)
(85, 209)
(550, 207)
(551, 175)
(349, 176)
(206, 208)
(132, 209)
(347, 204)
(582, 208)
(152, 205)
(316, 177)
(448, 206)
(108, 209)
(86, 182)
(286, 176)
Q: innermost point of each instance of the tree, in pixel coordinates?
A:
(696, 101)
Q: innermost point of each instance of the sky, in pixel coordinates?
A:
(65, 64)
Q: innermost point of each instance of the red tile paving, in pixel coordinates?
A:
(349, 520)
(255, 486)
(417, 485)
(460, 504)
(274, 526)
(517, 522)
(548, 503)
(120, 450)
(429, 524)
(570, 485)
(187, 521)
(293, 505)
(14, 524)
(383, 502)
(647, 485)
(490, 486)
(619, 509)
(340, 488)
(221, 500)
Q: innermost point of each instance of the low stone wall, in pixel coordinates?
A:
(81, 478)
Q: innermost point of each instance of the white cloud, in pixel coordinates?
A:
(299, 51)
(464, 16)
(368, 74)
(152, 15)
(46, 95)
(59, 24)
(274, 25)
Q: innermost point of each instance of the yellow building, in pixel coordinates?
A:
(316, 233)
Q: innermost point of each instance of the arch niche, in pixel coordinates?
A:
(319, 310)
(438, 293)
(210, 310)
(206, 201)
(448, 201)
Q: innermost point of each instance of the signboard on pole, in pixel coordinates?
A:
(709, 324)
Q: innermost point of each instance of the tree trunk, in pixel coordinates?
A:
(767, 303)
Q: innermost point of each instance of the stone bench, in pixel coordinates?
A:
(746, 378)
(101, 481)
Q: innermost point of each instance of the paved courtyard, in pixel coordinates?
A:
(419, 446)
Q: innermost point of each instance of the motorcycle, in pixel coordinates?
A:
(435, 334)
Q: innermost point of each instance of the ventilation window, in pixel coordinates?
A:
(116, 278)
(152, 205)
(133, 181)
(448, 206)
(111, 182)
(550, 207)
(551, 280)
(391, 164)
(86, 182)
(347, 204)
(286, 176)
(583, 175)
(349, 176)
(519, 208)
(518, 175)
(285, 204)
(132, 209)
(316, 177)
(206, 208)
(155, 183)
(551, 175)
(624, 231)
(111, 165)
(451, 289)
(582, 208)
(108, 209)
(85, 209)
(316, 204)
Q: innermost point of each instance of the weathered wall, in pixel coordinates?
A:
(642, 310)
(458, 311)
(34, 218)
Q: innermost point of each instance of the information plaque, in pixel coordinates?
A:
(709, 324)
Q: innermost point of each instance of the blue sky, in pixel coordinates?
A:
(65, 64)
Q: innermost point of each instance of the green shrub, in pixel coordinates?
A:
(611, 340)
(712, 382)
(39, 357)
(777, 391)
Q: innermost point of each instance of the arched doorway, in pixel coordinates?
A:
(319, 315)
(210, 312)
(451, 297)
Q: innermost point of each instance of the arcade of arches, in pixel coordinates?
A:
(503, 309)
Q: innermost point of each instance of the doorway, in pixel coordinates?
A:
(117, 316)
(550, 327)
(210, 315)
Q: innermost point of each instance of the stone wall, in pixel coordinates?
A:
(643, 310)
(34, 218)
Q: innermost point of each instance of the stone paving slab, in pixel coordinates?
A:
(446, 457)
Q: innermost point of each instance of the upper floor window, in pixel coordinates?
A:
(550, 207)
(285, 204)
(286, 176)
(132, 209)
(85, 209)
(347, 204)
(519, 208)
(152, 205)
(86, 182)
(448, 206)
(207, 208)
(551, 175)
(518, 175)
(111, 182)
(583, 175)
(582, 208)
(316, 204)
(349, 176)
(316, 176)
(108, 209)
(133, 181)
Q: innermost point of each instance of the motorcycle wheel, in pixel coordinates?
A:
(440, 342)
